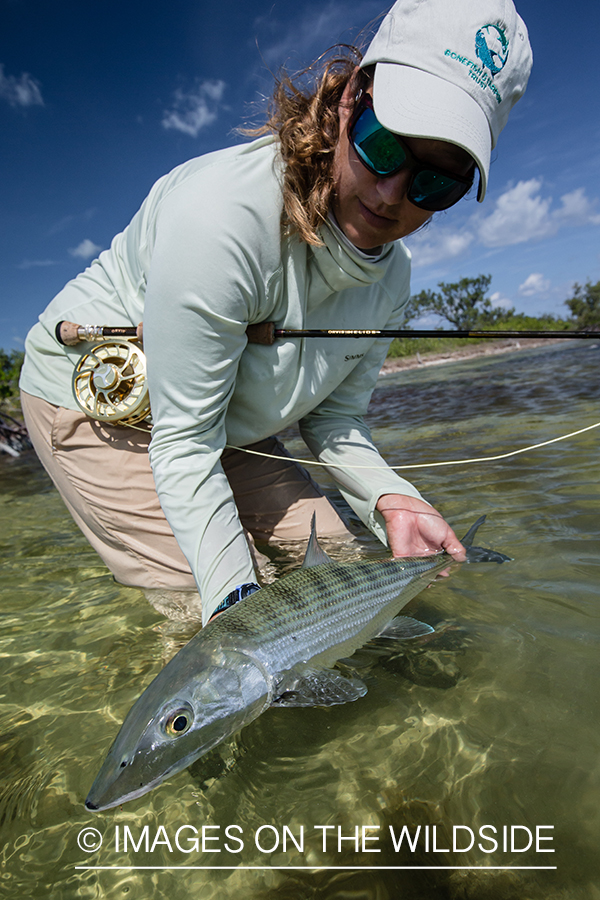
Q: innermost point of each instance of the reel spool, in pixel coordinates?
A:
(109, 384)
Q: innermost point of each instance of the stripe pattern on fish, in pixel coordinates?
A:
(276, 647)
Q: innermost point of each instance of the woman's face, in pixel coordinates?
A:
(372, 211)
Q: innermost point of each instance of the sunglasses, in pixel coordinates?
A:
(384, 153)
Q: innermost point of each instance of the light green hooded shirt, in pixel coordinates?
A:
(203, 258)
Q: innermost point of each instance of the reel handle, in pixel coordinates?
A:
(69, 334)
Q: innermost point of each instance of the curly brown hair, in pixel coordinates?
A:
(305, 119)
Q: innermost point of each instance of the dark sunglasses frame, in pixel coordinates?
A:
(456, 191)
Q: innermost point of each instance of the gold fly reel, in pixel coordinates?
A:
(110, 385)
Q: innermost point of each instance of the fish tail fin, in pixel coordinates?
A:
(481, 554)
(468, 538)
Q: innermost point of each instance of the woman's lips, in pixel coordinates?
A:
(373, 218)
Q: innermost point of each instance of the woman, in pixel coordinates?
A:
(301, 227)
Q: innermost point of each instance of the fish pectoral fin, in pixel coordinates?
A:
(315, 555)
(319, 687)
(403, 628)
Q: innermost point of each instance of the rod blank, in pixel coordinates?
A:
(266, 333)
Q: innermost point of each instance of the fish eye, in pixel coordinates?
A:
(178, 722)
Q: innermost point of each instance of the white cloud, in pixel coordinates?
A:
(36, 263)
(435, 244)
(429, 321)
(576, 209)
(21, 91)
(310, 32)
(500, 302)
(534, 284)
(521, 214)
(67, 221)
(193, 110)
(85, 250)
(297, 42)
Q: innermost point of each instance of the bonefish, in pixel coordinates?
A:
(275, 648)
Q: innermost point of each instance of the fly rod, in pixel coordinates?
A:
(70, 334)
(267, 333)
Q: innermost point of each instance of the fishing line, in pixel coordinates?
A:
(430, 465)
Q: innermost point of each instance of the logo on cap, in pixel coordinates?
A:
(491, 47)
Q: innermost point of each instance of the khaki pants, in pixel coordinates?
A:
(103, 475)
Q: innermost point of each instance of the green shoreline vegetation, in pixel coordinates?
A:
(465, 306)
(404, 347)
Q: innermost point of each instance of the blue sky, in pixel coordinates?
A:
(99, 99)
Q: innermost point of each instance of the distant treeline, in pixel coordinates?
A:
(465, 307)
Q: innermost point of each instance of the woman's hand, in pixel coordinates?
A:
(416, 529)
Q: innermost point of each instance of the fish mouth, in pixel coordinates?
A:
(123, 798)
(94, 803)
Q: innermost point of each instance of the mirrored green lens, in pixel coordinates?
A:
(377, 146)
(431, 190)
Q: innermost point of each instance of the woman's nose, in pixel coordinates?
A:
(392, 189)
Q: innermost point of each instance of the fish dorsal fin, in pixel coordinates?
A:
(315, 555)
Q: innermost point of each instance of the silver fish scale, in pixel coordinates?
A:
(314, 610)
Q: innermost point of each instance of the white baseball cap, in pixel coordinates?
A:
(450, 70)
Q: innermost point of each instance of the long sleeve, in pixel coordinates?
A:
(203, 258)
(205, 284)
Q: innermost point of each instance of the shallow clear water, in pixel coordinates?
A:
(491, 721)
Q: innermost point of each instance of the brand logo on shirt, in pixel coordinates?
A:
(355, 356)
